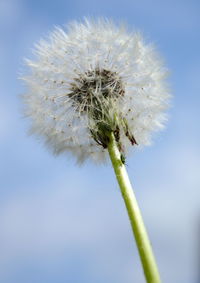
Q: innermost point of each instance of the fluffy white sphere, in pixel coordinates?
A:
(95, 67)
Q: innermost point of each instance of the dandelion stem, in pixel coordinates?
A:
(137, 224)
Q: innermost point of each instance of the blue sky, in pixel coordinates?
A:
(64, 223)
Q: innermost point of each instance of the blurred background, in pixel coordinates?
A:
(63, 223)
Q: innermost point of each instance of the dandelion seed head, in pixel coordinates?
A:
(91, 78)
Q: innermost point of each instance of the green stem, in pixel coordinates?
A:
(137, 224)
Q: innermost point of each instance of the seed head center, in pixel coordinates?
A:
(91, 86)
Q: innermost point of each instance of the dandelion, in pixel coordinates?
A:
(95, 90)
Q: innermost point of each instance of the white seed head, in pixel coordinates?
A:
(90, 79)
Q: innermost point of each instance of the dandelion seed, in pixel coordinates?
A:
(95, 76)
